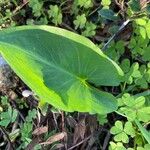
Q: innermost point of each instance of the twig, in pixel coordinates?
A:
(67, 27)
(125, 23)
(106, 141)
(19, 7)
(120, 5)
(63, 128)
(80, 143)
(7, 137)
(16, 10)
(63, 121)
(55, 120)
(94, 11)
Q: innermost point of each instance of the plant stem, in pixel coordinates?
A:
(124, 86)
(125, 23)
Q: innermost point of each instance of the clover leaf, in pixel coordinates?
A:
(132, 73)
(134, 108)
(105, 2)
(116, 146)
(36, 6)
(80, 21)
(55, 13)
(145, 78)
(125, 65)
(122, 132)
(89, 29)
(84, 3)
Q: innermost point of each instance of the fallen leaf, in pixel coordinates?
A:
(71, 121)
(54, 138)
(40, 130)
(57, 146)
(79, 131)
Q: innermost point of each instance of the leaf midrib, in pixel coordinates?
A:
(57, 67)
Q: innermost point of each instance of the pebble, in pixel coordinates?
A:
(27, 93)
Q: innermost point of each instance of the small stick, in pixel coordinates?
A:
(20, 7)
(63, 128)
(55, 120)
(7, 137)
(120, 29)
(106, 141)
(63, 121)
(67, 27)
(80, 143)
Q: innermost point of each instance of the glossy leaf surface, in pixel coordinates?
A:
(61, 67)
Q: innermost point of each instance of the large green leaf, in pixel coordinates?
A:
(61, 67)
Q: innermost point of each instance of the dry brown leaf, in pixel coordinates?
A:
(57, 146)
(144, 3)
(91, 124)
(54, 138)
(71, 121)
(80, 130)
(40, 130)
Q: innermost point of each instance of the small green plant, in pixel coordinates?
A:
(36, 6)
(80, 21)
(8, 114)
(26, 128)
(122, 132)
(55, 14)
(89, 29)
(134, 108)
(105, 3)
(84, 3)
(102, 119)
(116, 146)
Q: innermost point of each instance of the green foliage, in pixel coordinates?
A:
(121, 133)
(9, 115)
(80, 21)
(89, 29)
(107, 14)
(135, 5)
(116, 146)
(132, 73)
(55, 13)
(66, 63)
(4, 101)
(116, 50)
(134, 108)
(98, 20)
(146, 147)
(139, 43)
(144, 80)
(84, 3)
(144, 132)
(102, 119)
(27, 128)
(36, 6)
(106, 2)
